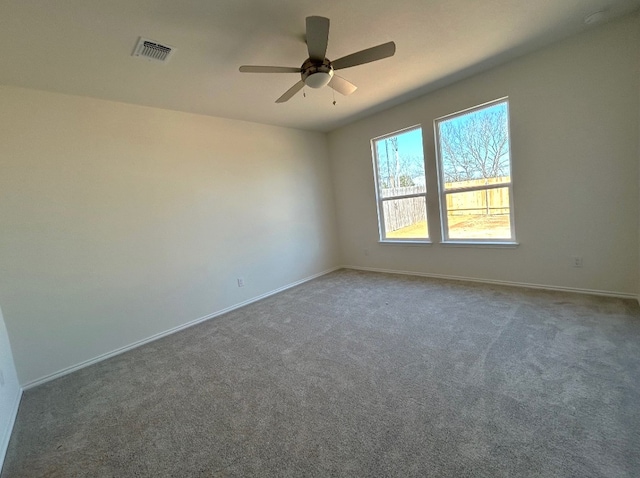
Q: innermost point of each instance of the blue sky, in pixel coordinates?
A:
(409, 145)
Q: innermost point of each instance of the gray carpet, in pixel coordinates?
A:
(357, 374)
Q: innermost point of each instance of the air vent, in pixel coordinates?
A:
(152, 50)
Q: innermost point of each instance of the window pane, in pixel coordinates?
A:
(405, 218)
(474, 147)
(400, 163)
(480, 214)
(400, 172)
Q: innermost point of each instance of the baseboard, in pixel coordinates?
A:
(100, 358)
(4, 444)
(527, 285)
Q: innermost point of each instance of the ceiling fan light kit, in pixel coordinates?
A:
(317, 71)
(316, 75)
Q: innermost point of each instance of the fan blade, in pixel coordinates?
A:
(290, 92)
(365, 56)
(317, 37)
(342, 86)
(268, 69)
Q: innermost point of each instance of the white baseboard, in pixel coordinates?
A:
(100, 358)
(73, 368)
(4, 444)
(605, 293)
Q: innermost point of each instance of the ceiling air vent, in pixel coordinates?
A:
(152, 50)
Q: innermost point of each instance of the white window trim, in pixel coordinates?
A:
(442, 193)
(382, 233)
(473, 243)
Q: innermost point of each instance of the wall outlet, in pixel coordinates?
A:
(576, 261)
(366, 252)
(240, 282)
(1, 379)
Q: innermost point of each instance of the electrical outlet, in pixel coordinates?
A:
(366, 252)
(240, 282)
(1, 378)
(576, 261)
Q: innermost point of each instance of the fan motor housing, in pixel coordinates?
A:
(316, 74)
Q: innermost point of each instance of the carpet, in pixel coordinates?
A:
(357, 374)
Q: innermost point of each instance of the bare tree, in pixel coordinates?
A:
(475, 146)
(398, 170)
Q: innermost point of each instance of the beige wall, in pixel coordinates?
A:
(574, 131)
(118, 222)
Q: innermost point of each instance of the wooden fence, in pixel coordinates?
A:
(399, 213)
(486, 202)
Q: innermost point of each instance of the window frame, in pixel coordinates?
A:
(443, 192)
(382, 233)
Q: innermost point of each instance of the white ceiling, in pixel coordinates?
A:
(83, 47)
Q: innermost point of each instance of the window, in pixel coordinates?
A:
(474, 174)
(401, 188)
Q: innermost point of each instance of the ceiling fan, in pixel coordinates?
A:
(317, 70)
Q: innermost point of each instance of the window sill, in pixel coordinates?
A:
(407, 242)
(506, 244)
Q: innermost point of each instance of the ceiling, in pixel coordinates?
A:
(84, 47)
